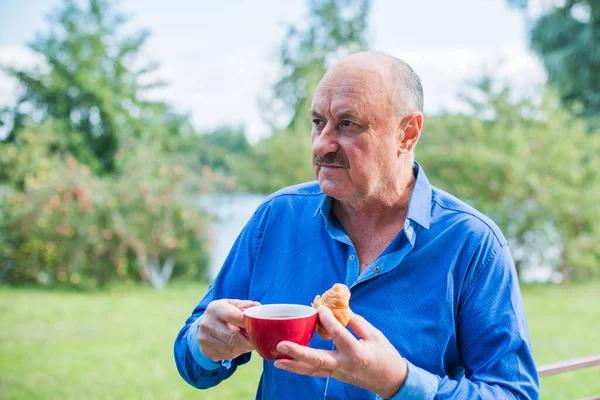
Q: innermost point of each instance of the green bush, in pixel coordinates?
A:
(533, 168)
(64, 226)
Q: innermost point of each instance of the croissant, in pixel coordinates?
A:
(338, 300)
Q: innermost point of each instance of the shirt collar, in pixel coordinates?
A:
(324, 208)
(419, 207)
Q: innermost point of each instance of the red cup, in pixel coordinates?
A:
(267, 325)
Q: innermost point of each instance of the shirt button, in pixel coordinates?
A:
(376, 270)
(352, 257)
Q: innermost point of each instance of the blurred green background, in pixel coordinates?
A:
(105, 246)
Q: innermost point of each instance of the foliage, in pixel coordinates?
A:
(335, 28)
(532, 168)
(160, 219)
(68, 227)
(280, 160)
(220, 150)
(98, 183)
(32, 156)
(91, 86)
(567, 38)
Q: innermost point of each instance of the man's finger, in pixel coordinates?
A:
(302, 368)
(243, 304)
(318, 359)
(230, 313)
(228, 349)
(362, 327)
(342, 338)
(225, 342)
(231, 336)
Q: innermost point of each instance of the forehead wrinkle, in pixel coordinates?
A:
(360, 92)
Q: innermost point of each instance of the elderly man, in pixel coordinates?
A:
(436, 306)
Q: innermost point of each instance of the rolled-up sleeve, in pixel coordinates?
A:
(194, 346)
(419, 384)
(231, 283)
(197, 369)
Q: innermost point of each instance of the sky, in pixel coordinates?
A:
(220, 57)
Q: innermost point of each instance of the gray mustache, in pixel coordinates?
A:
(337, 158)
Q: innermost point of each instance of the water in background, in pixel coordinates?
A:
(229, 212)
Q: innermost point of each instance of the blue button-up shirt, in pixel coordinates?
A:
(444, 293)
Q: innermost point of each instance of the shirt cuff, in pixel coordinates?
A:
(205, 362)
(419, 385)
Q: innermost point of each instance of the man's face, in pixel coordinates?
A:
(354, 140)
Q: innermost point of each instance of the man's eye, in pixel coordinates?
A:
(318, 122)
(346, 123)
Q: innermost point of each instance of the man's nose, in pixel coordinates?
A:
(325, 142)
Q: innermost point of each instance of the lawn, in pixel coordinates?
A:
(118, 344)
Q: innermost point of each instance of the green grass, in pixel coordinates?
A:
(564, 323)
(118, 344)
(114, 345)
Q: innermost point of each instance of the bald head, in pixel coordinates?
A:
(396, 76)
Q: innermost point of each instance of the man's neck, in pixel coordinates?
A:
(378, 210)
(373, 224)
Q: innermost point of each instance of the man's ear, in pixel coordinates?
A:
(409, 135)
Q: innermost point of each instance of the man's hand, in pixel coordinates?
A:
(219, 329)
(371, 362)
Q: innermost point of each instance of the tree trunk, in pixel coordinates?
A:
(519, 268)
(157, 275)
(564, 266)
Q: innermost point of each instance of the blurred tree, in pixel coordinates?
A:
(228, 137)
(221, 148)
(275, 162)
(91, 85)
(97, 181)
(69, 227)
(335, 28)
(567, 37)
(514, 162)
